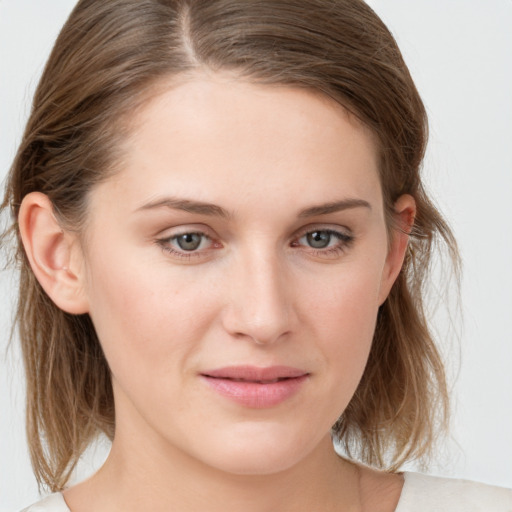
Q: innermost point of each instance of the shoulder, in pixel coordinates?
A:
(422, 493)
(53, 503)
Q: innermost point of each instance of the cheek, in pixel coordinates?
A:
(142, 313)
(346, 303)
(342, 317)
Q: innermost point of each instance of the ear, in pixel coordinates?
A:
(54, 255)
(404, 214)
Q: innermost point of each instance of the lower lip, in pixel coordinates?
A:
(255, 394)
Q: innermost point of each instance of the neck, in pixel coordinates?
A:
(161, 478)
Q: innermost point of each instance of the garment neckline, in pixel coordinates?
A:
(398, 507)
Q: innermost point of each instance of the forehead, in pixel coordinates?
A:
(208, 137)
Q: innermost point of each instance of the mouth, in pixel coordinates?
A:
(256, 387)
(272, 381)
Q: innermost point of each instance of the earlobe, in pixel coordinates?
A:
(54, 254)
(405, 213)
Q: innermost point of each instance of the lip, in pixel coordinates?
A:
(256, 387)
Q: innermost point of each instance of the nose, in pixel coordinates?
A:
(259, 306)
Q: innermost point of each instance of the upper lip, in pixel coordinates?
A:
(255, 373)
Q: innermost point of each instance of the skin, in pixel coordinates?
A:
(253, 293)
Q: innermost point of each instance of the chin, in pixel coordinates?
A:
(255, 450)
(256, 462)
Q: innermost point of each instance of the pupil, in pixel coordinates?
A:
(319, 239)
(189, 241)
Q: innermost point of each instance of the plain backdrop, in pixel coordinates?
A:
(460, 55)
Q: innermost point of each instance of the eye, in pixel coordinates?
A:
(187, 244)
(324, 242)
(318, 239)
(189, 241)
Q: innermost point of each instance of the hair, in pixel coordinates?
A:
(107, 60)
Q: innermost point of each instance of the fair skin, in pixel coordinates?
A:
(245, 228)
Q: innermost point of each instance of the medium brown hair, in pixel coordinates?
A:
(106, 61)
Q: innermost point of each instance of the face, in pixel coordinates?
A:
(234, 269)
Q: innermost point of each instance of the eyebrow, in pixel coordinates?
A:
(187, 205)
(333, 207)
(210, 209)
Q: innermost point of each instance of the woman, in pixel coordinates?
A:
(223, 237)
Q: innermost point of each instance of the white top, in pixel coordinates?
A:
(421, 493)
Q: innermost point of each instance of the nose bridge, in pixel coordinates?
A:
(259, 302)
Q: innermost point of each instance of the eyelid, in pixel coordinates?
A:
(171, 230)
(342, 231)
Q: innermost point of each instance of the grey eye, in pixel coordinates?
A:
(189, 241)
(319, 239)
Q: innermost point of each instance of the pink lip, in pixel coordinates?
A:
(256, 387)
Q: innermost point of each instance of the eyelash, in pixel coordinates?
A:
(344, 242)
